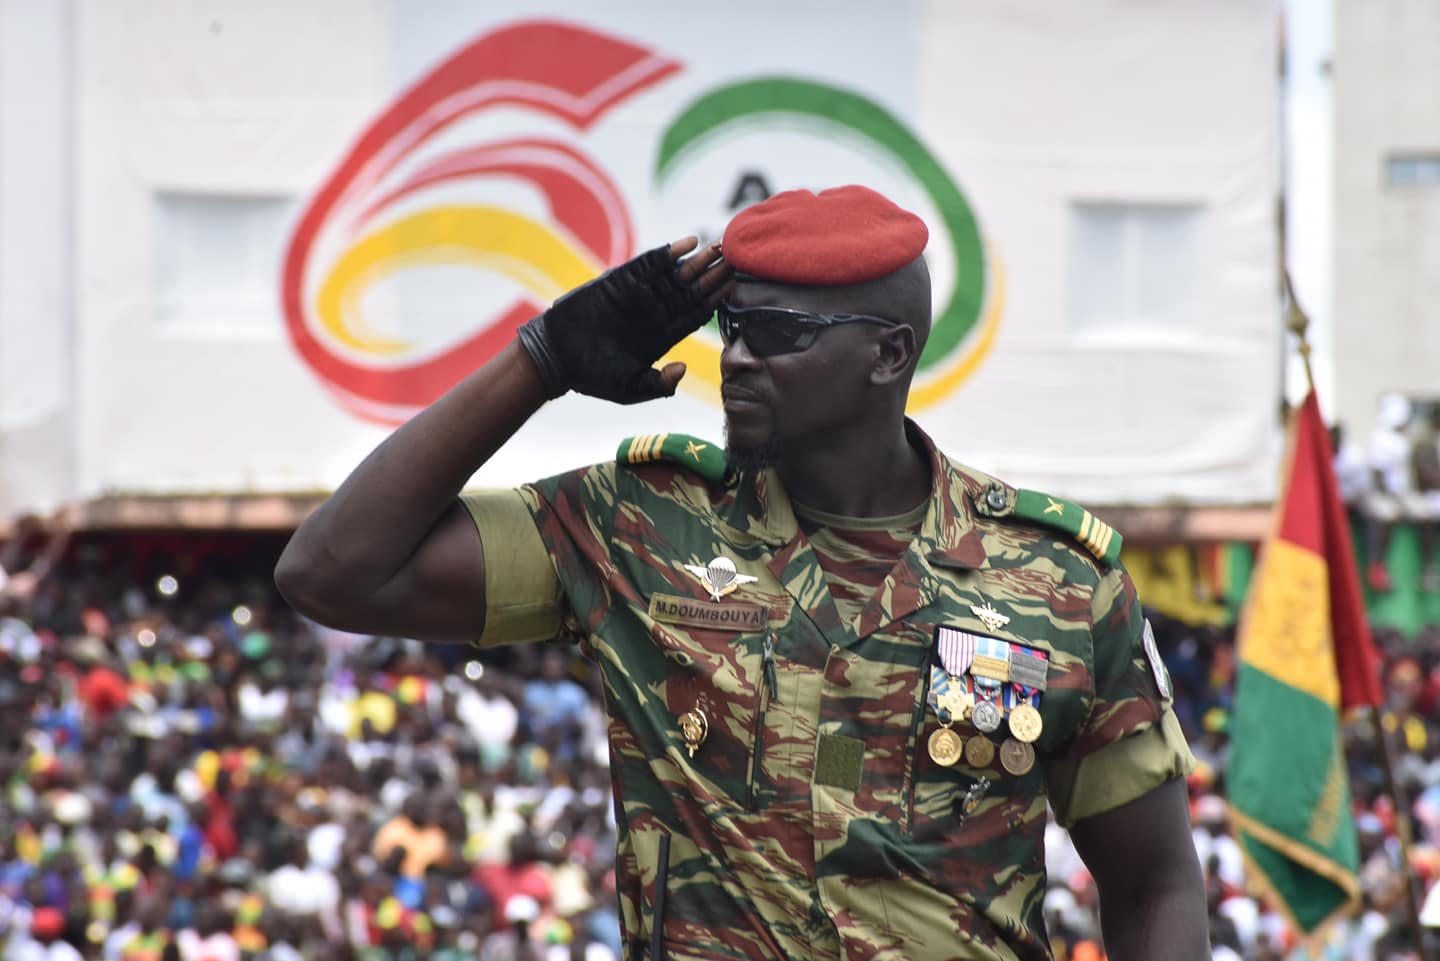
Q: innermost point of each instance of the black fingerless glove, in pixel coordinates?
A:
(602, 338)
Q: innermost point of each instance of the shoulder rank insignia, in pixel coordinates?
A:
(1097, 537)
(702, 457)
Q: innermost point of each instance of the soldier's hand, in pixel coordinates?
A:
(602, 338)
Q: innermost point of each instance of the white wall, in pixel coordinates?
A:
(181, 111)
(36, 246)
(1387, 238)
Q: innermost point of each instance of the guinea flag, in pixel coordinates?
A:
(1306, 656)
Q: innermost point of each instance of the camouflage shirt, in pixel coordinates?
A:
(810, 820)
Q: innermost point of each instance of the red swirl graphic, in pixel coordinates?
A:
(558, 69)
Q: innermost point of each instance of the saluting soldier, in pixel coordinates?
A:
(844, 673)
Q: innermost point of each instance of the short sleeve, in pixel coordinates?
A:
(522, 592)
(574, 514)
(1118, 774)
(1130, 742)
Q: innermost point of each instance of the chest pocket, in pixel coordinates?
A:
(718, 686)
(976, 798)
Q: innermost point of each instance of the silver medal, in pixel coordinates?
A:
(986, 716)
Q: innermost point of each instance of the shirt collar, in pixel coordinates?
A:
(947, 538)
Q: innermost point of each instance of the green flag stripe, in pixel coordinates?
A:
(797, 100)
(1310, 898)
(1290, 795)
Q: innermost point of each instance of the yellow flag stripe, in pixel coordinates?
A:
(1287, 622)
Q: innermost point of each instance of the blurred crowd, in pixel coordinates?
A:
(1390, 477)
(192, 772)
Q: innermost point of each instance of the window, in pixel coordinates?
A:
(218, 261)
(1413, 170)
(1132, 265)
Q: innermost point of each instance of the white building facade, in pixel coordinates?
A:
(1386, 75)
(240, 240)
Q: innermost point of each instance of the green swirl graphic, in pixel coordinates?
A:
(787, 97)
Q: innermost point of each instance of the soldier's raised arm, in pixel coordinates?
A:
(392, 550)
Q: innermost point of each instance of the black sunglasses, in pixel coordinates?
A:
(768, 331)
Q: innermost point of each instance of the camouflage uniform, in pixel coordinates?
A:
(811, 822)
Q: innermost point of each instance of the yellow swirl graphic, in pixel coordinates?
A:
(543, 261)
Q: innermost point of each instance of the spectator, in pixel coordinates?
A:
(555, 705)
(415, 835)
(45, 940)
(1389, 455)
(514, 942)
(166, 821)
(1425, 464)
(210, 939)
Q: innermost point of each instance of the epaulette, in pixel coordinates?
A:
(706, 459)
(1097, 537)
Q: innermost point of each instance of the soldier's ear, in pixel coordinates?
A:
(896, 353)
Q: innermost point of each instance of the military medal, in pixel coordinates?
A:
(956, 701)
(945, 746)
(1025, 723)
(957, 650)
(1017, 757)
(694, 728)
(948, 694)
(989, 670)
(1028, 670)
(985, 716)
(979, 752)
(720, 576)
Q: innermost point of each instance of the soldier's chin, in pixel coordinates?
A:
(751, 455)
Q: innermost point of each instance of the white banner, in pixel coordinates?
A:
(300, 223)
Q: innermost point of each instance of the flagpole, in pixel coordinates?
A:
(1298, 324)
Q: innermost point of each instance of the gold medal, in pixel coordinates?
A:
(979, 752)
(694, 728)
(1025, 723)
(957, 702)
(1017, 757)
(945, 747)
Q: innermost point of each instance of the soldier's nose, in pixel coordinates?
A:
(737, 357)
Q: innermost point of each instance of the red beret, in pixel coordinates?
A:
(845, 235)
